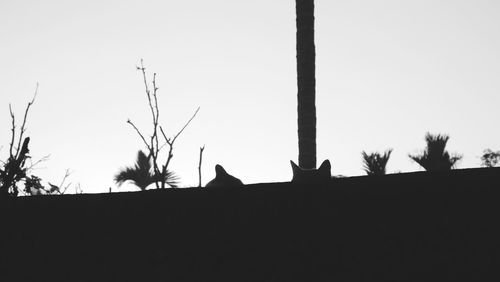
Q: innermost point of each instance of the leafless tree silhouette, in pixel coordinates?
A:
(161, 174)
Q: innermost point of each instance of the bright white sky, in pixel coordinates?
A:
(387, 72)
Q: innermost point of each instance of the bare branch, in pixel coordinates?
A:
(78, 189)
(138, 132)
(165, 136)
(66, 175)
(155, 113)
(170, 150)
(13, 132)
(199, 165)
(34, 164)
(148, 92)
(170, 142)
(184, 127)
(156, 118)
(65, 188)
(155, 89)
(163, 145)
(23, 126)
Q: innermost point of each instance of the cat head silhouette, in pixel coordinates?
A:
(320, 175)
(223, 179)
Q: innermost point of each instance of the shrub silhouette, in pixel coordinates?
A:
(18, 166)
(375, 163)
(14, 169)
(142, 174)
(490, 158)
(435, 157)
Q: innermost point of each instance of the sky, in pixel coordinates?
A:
(387, 72)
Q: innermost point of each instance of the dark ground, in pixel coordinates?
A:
(402, 227)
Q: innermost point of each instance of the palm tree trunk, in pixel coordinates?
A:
(306, 83)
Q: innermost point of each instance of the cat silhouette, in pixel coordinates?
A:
(320, 175)
(223, 179)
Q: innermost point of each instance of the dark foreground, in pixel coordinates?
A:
(405, 227)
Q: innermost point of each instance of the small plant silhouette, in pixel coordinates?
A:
(19, 165)
(15, 169)
(490, 158)
(435, 157)
(160, 174)
(142, 174)
(375, 163)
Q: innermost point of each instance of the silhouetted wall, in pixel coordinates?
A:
(402, 227)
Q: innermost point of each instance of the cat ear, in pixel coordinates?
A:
(326, 168)
(295, 168)
(219, 170)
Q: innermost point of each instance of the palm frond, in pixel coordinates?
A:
(170, 178)
(140, 174)
(435, 157)
(375, 163)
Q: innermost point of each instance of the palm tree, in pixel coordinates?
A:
(306, 83)
(375, 163)
(142, 174)
(435, 157)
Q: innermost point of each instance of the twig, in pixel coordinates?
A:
(66, 174)
(138, 132)
(23, 128)
(13, 132)
(78, 189)
(156, 98)
(161, 147)
(155, 113)
(156, 117)
(170, 142)
(199, 165)
(65, 188)
(187, 123)
(43, 159)
(148, 92)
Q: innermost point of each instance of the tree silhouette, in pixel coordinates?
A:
(16, 168)
(19, 165)
(306, 83)
(490, 158)
(142, 174)
(375, 163)
(435, 157)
